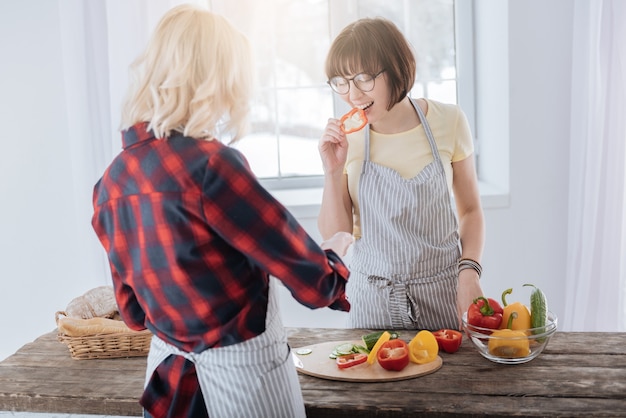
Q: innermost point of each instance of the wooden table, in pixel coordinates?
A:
(578, 375)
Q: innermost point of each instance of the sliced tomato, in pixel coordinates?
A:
(393, 355)
(423, 348)
(448, 340)
(349, 360)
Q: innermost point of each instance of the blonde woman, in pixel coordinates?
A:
(192, 238)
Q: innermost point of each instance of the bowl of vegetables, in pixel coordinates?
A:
(512, 333)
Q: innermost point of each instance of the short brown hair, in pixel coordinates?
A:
(370, 45)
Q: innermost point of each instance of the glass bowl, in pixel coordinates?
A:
(519, 347)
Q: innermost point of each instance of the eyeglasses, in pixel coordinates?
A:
(364, 82)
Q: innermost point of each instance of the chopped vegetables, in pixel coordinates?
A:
(347, 348)
(370, 339)
(353, 121)
(423, 348)
(350, 360)
(393, 355)
(382, 340)
(449, 340)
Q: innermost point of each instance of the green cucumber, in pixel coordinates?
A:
(371, 338)
(343, 349)
(360, 349)
(538, 309)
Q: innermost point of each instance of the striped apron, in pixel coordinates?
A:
(255, 378)
(404, 270)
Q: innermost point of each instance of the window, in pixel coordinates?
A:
(291, 38)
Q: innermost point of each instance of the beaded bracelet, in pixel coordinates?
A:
(468, 263)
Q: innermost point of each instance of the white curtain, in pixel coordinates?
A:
(596, 269)
(99, 41)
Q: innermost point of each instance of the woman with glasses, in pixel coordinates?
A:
(416, 258)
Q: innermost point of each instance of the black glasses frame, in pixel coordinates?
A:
(353, 79)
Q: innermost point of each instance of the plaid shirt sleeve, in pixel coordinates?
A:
(244, 214)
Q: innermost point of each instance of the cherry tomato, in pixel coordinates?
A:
(393, 355)
(349, 360)
(448, 340)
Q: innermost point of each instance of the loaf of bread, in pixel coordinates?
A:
(97, 302)
(78, 327)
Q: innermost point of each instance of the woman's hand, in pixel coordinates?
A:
(467, 290)
(333, 147)
(339, 243)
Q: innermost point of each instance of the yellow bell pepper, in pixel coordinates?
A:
(521, 321)
(508, 343)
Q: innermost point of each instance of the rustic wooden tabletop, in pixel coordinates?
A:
(578, 375)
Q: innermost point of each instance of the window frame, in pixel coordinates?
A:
(344, 12)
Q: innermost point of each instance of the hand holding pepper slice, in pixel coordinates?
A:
(393, 355)
(449, 340)
(350, 360)
(485, 313)
(353, 121)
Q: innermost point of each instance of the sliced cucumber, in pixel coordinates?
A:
(343, 349)
(361, 349)
(304, 351)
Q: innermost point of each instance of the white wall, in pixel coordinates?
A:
(44, 237)
(526, 242)
(41, 238)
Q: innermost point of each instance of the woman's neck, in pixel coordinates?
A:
(401, 118)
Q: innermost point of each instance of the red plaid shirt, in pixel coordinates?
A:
(191, 238)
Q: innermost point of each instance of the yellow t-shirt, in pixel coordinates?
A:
(409, 152)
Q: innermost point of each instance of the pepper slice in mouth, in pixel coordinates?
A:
(353, 121)
(449, 340)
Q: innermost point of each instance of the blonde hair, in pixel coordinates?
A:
(195, 77)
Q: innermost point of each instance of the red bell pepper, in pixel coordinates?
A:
(349, 360)
(393, 355)
(353, 121)
(485, 313)
(448, 340)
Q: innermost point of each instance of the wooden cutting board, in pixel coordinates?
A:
(318, 364)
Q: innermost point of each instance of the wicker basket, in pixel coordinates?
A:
(105, 346)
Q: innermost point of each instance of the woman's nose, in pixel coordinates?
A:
(354, 91)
